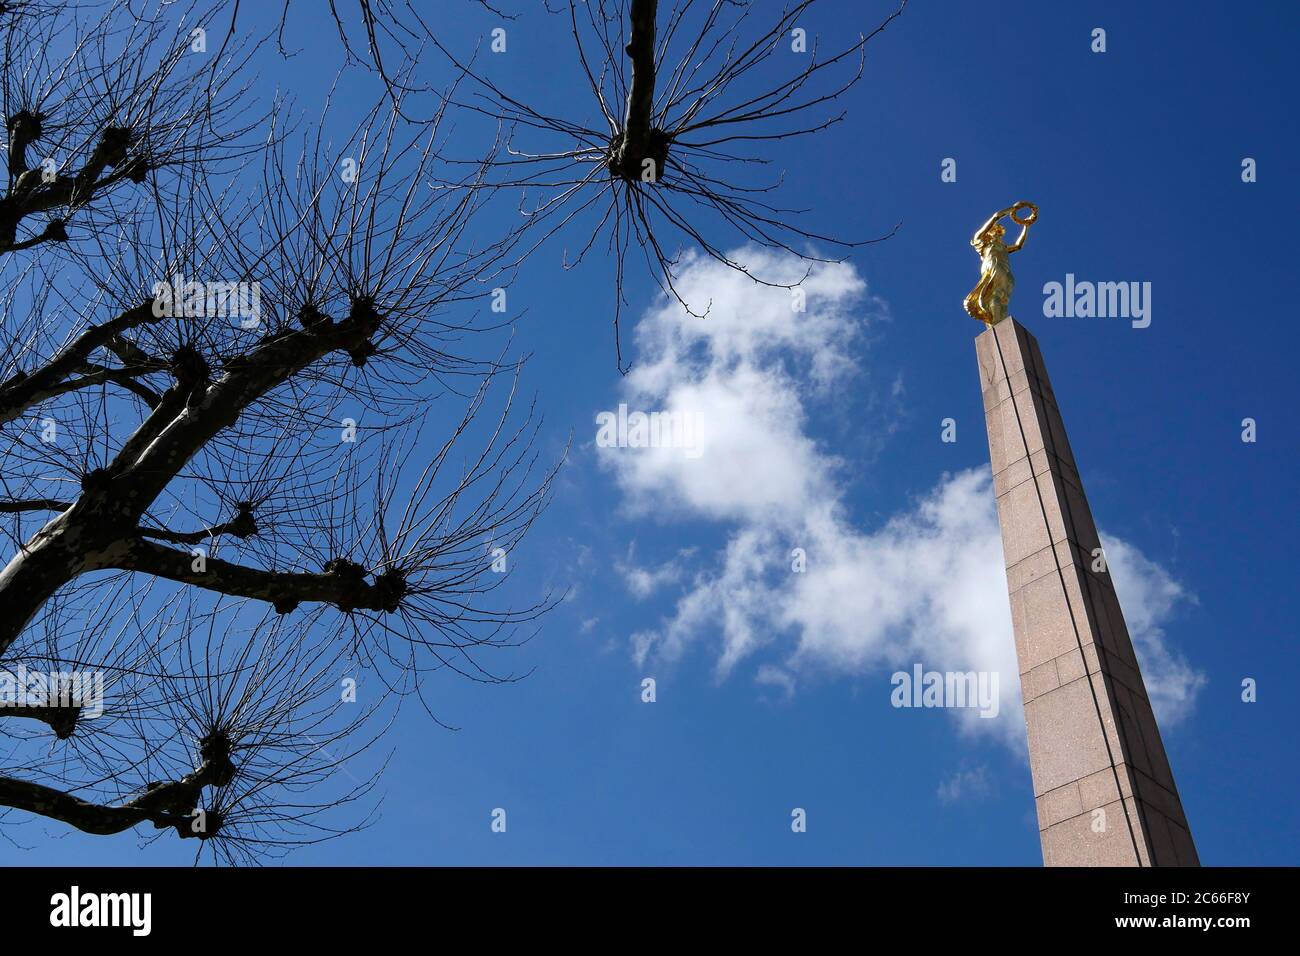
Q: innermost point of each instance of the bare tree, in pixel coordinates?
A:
(685, 94)
(199, 292)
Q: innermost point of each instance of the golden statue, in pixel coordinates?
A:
(989, 299)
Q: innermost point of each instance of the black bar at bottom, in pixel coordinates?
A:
(671, 905)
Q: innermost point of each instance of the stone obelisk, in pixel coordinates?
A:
(1102, 783)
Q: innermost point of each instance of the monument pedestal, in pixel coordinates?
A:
(1102, 783)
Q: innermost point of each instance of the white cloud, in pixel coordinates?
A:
(928, 586)
(966, 783)
(741, 372)
(643, 582)
(771, 676)
(1148, 596)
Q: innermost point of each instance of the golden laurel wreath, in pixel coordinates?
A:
(1030, 218)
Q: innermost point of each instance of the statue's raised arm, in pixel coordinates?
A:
(983, 231)
(1024, 223)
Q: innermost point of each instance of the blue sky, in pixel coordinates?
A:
(772, 696)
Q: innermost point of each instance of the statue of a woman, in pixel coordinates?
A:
(989, 299)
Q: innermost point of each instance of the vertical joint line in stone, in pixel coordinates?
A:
(1060, 575)
(1067, 519)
